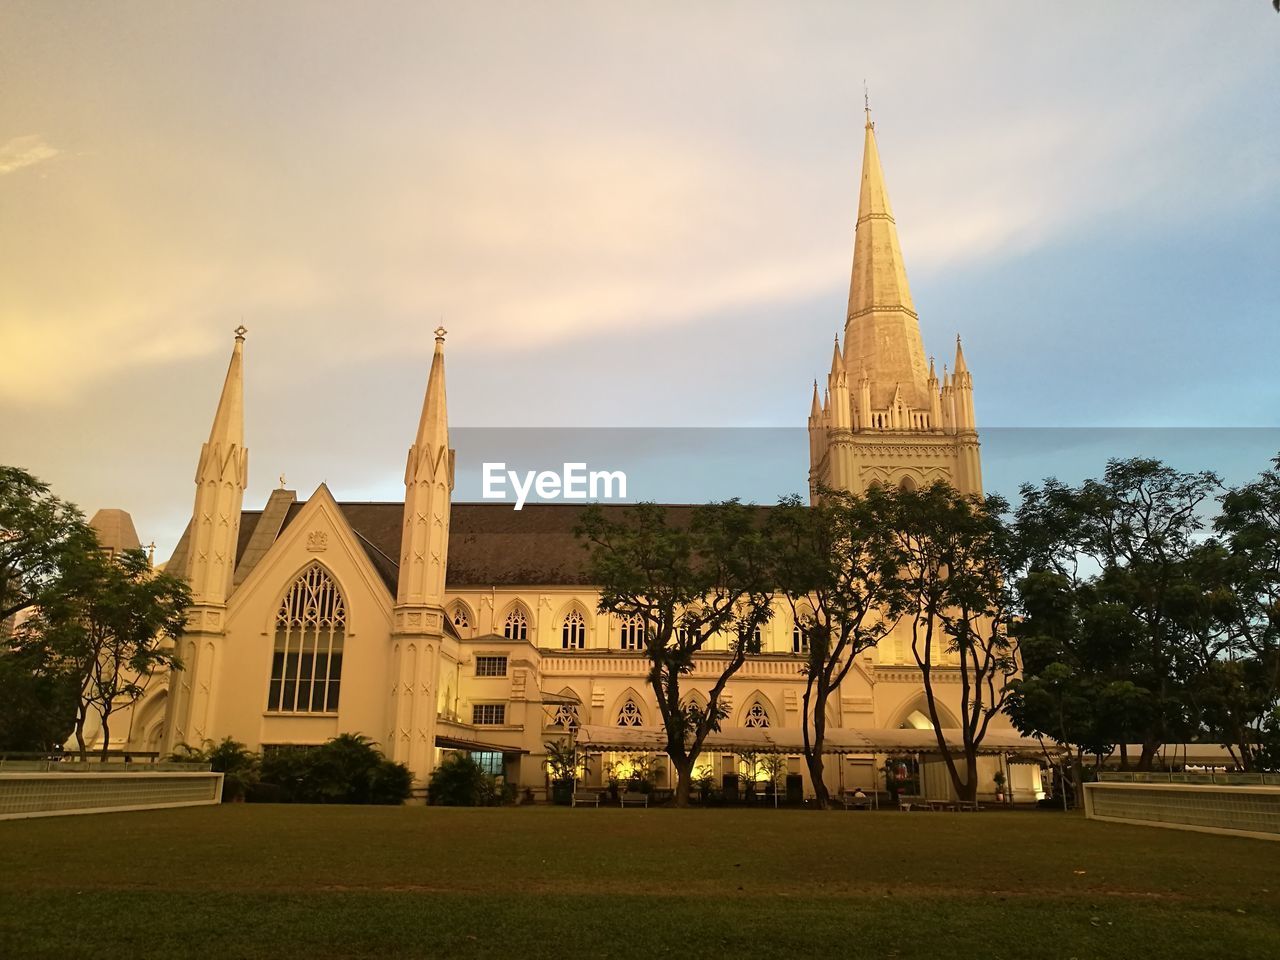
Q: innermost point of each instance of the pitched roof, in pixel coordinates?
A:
(490, 544)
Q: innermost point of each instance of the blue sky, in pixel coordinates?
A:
(635, 215)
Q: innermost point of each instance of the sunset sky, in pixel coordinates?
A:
(626, 214)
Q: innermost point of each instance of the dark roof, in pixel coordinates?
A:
(490, 544)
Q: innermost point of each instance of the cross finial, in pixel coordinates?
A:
(440, 332)
(282, 481)
(240, 331)
(866, 101)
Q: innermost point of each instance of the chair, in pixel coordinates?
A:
(585, 798)
(634, 798)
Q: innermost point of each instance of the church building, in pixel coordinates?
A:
(431, 625)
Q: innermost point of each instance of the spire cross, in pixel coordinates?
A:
(240, 331)
(440, 332)
(866, 101)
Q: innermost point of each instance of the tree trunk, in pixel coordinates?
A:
(971, 775)
(1147, 760)
(684, 780)
(814, 761)
(106, 737)
(81, 749)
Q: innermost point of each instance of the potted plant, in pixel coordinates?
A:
(999, 782)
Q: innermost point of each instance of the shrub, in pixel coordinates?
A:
(346, 769)
(239, 766)
(459, 782)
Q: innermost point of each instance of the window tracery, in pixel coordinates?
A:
(306, 663)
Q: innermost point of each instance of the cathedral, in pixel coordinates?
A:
(434, 626)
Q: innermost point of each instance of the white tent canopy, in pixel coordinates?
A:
(593, 738)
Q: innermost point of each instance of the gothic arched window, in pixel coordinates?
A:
(565, 717)
(516, 626)
(631, 634)
(756, 716)
(573, 632)
(799, 639)
(629, 715)
(460, 618)
(306, 665)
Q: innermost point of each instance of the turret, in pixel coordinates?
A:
(418, 620)
(213, 536)
(965, 420)
(838, 384)
(935, 398)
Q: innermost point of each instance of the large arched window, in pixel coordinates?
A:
(516, 626)
(306, 666)
(631, 633)
(629, 715)
(573, 631)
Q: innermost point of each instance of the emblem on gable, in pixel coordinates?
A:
(317, 541)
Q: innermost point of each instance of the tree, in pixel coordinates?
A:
(1240, 691)
(108, 627)
(39, 701)
(40, 537)
(687, 584)
(952, 556)
(1127, 552)
(833, 563)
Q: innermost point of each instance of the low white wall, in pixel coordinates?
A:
(1247, 811)
(55, 794)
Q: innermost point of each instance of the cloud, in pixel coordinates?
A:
(25, 152)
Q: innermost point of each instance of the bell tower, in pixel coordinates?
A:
(885, 417)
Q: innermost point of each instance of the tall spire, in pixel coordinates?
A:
(961, 366)
(221, 476)
(228, 420)
(882, 331)
(428, 484)
(433, 425)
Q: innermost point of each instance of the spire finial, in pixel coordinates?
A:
(866, 101)
(440, 332)
(240, 331)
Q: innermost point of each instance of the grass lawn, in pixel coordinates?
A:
(319, 882)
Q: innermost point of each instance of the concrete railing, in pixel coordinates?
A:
(1248, 811)
(47, 794)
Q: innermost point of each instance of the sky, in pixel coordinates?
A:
(626, 215)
